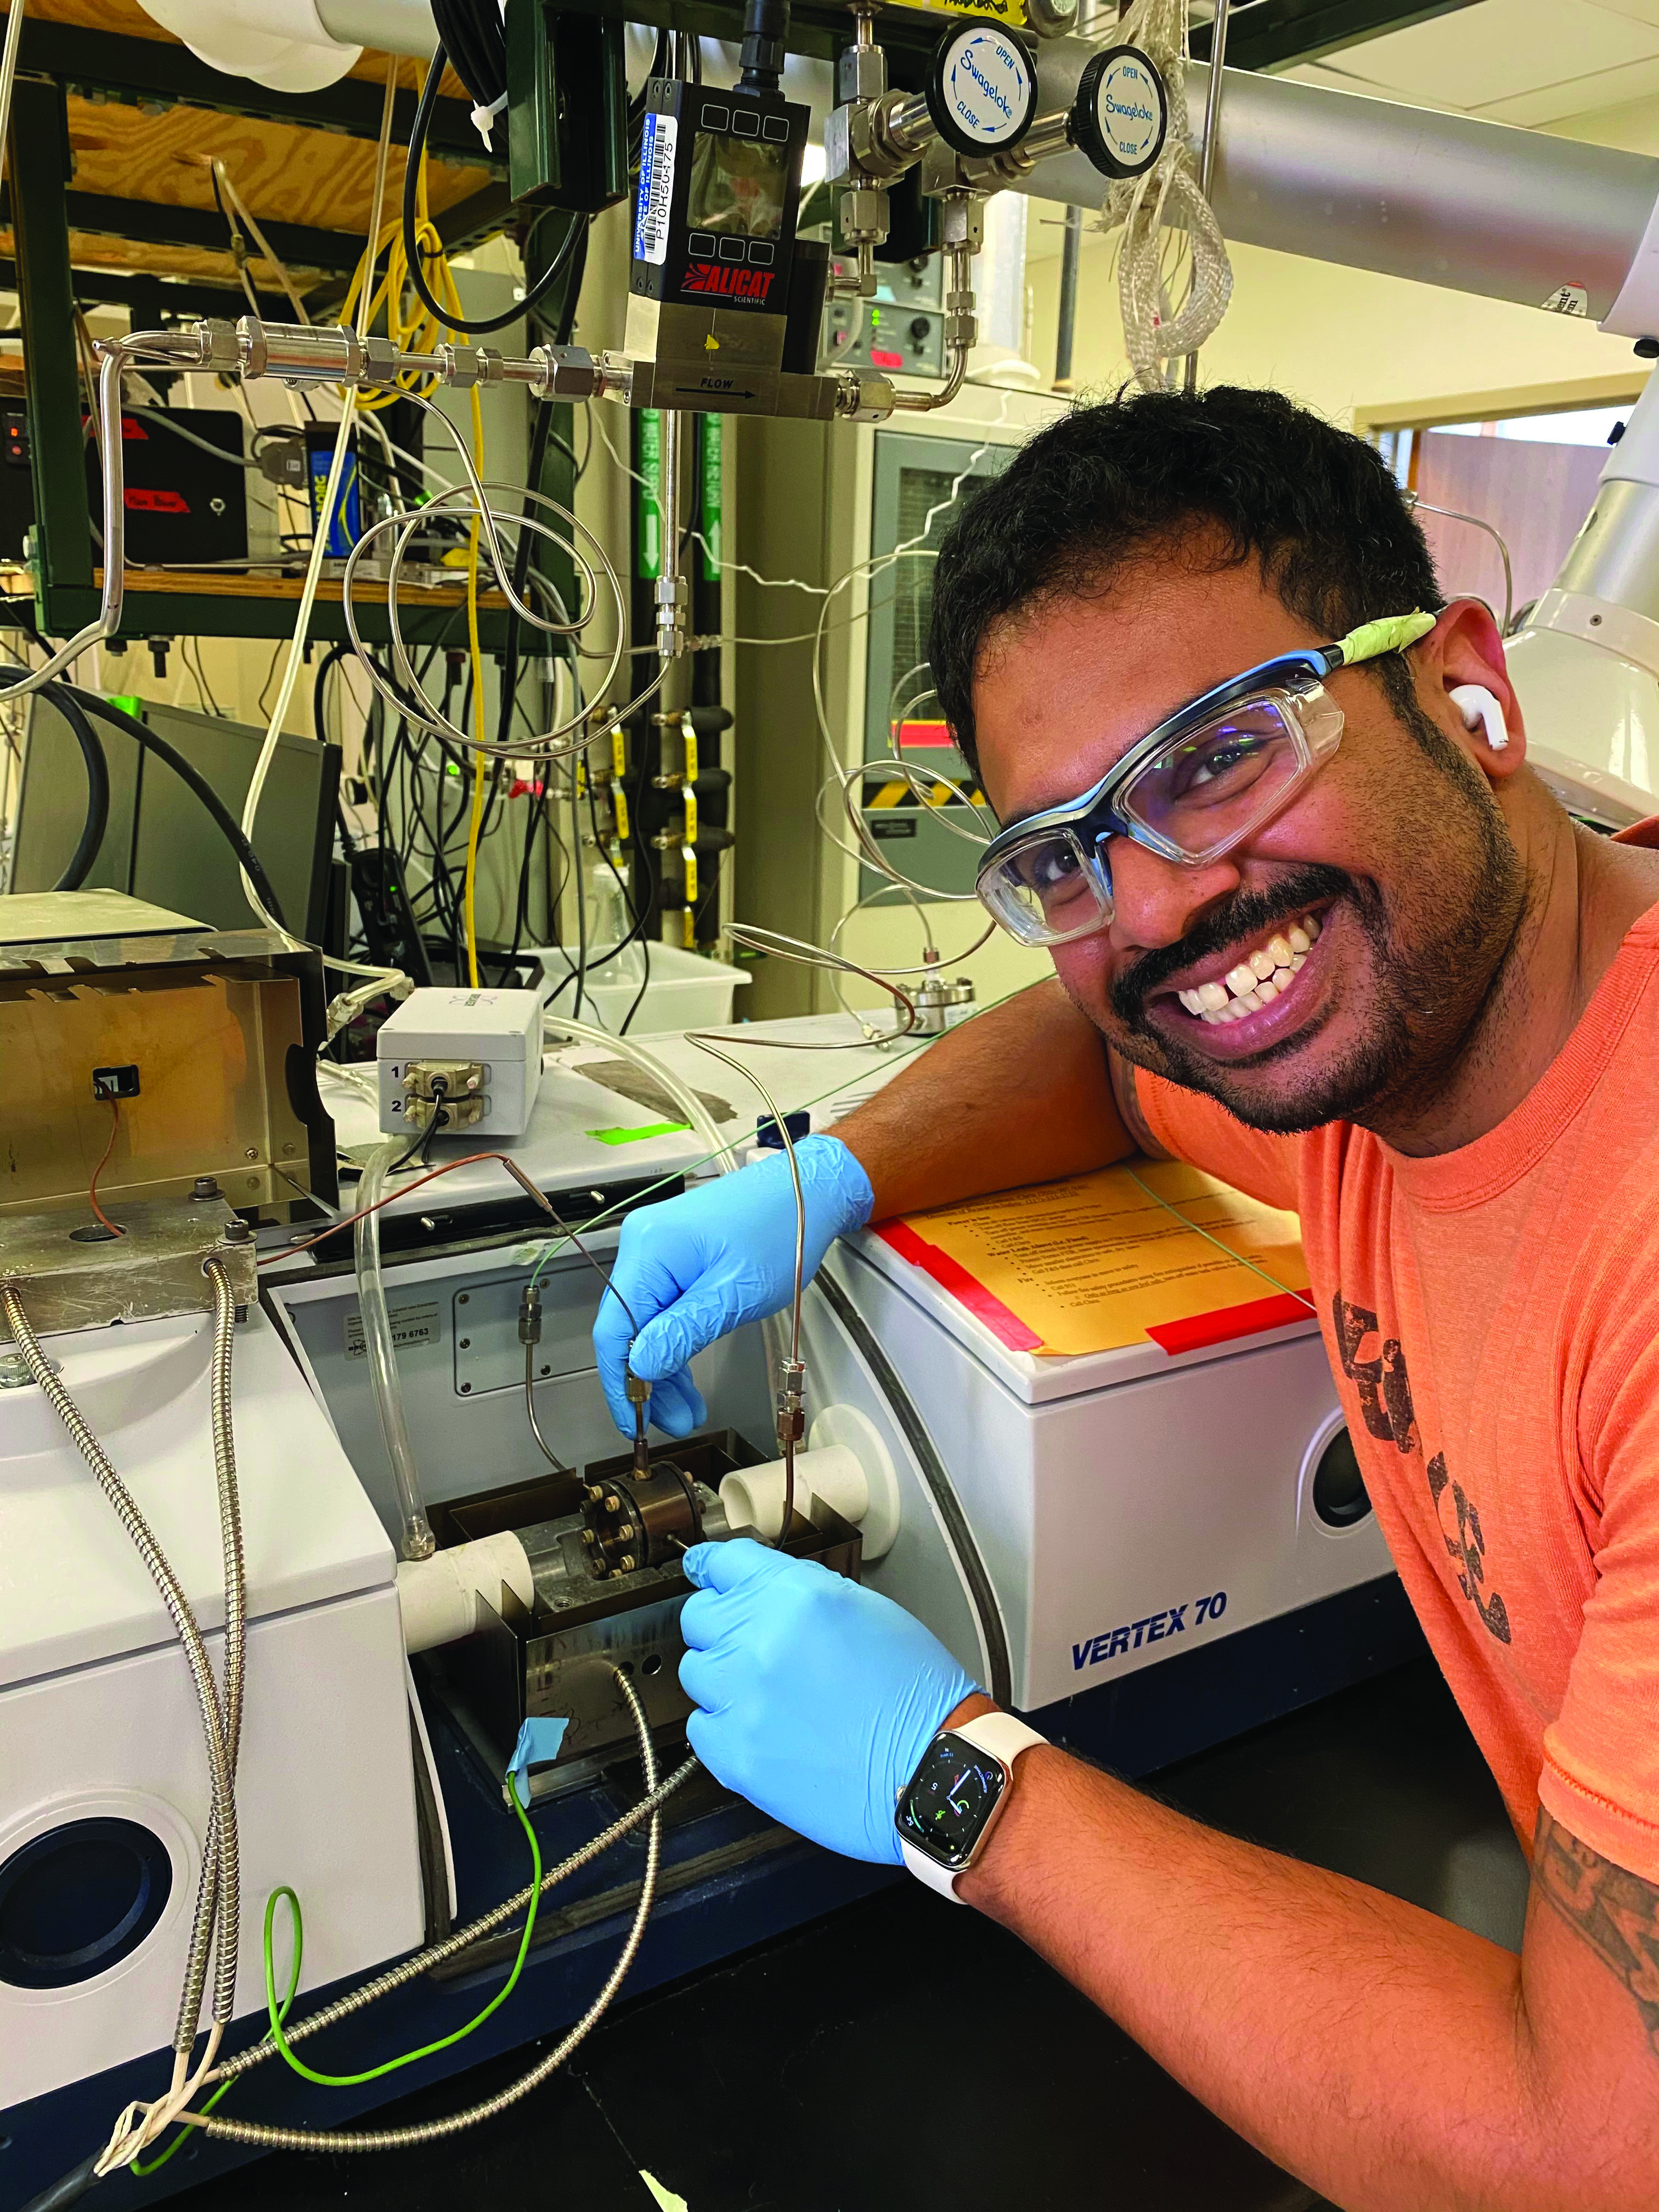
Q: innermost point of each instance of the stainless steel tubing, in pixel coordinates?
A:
(117, 356)
(278, 2139)
(218, 1894)
(1371, 184)
(959, 264)
(173, 1596)
(1212, 134)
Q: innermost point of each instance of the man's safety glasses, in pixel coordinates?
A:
(1190, 790)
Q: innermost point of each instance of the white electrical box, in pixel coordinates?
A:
(476, 1055)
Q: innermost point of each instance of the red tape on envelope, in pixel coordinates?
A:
(950, 1275)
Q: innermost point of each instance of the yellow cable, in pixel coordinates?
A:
(420, 332)
(477, 822)
(468, 895)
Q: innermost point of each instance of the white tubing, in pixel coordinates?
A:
(416, 1539)
(679, 1090)
(845, 1466)
(391, 27)
(440, 1597)
(753, 1497)
(280, 43)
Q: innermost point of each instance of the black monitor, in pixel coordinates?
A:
(160, 843)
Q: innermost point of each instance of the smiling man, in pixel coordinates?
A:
(1318, 929)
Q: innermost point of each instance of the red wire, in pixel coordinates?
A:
(403, 1191)
(113, 1228)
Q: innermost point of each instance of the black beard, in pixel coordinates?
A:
(1427, 1004)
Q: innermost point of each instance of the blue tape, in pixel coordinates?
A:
(537, 1746)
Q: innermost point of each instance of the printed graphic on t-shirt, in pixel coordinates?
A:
(1386, 1408)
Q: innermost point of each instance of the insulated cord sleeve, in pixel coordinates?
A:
(97, 815)
(70, 2190)
(550, 275)
(188, 773)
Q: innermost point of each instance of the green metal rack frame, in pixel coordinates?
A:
(58, 59)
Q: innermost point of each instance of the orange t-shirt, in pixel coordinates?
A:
(1491, 1317)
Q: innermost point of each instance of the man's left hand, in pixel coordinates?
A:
(815, 1698)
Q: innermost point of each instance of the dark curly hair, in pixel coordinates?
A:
(1254, 475)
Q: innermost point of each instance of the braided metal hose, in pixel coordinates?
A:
(218, 1895)
(435, 1955)
(281, 2138)
(221, 1853)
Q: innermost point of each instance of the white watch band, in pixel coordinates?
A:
(1004, 1738)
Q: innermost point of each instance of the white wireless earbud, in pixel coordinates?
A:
(1478, 706)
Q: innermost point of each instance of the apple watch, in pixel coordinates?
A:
(947, 1809)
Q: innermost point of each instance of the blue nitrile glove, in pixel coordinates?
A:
(815, 1698)
(721, 1254)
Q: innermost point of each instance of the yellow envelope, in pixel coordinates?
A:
(1103, 1260)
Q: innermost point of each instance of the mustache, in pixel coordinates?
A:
(1245, 914)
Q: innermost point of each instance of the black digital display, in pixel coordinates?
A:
(949, 1799)
(739, 186)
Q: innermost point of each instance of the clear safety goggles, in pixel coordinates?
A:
(1190, 790)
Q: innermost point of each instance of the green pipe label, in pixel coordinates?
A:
(649, 493)
(710, 453)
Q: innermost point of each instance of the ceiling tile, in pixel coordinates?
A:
(1331, 77)
(1576, 95)
(1639, 11)
(1501, 49)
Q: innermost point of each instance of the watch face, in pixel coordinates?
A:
(945, 1807)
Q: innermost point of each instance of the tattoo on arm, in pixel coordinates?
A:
(1616, 1913)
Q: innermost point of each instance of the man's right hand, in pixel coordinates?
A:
(721, 1254)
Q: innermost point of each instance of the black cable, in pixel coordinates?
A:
(97, 815)
(653, 886)
(645, 946)
(543, 284)
(329, 661)
(509, 685)
(70, 2189)
(635, 919)
(206, 445)
(581, 898)
(422, 1140)
(474, 39)
(58, 691)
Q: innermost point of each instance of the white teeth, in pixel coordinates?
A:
(1257, 980)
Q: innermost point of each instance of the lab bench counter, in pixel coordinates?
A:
(899, 2056)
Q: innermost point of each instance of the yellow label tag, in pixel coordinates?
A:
(688, 856)
(619, 808)
(618, 753)
(688, 743)
(1003, 11)
(690, 798)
